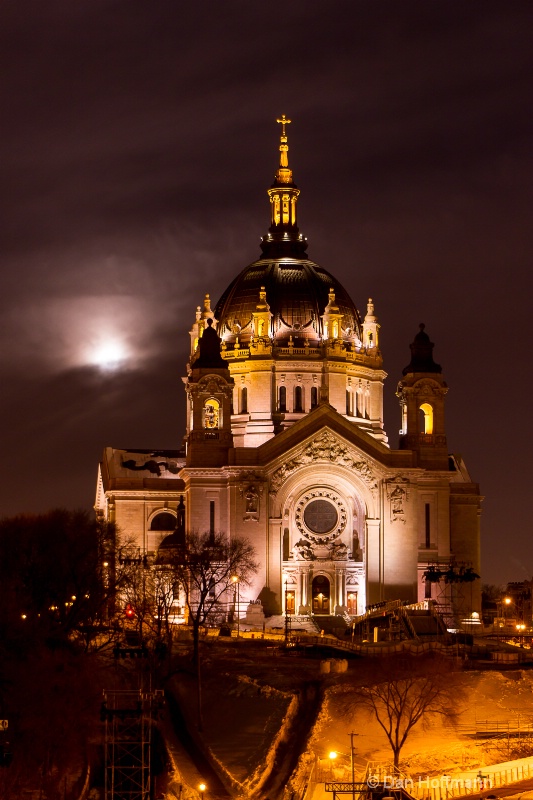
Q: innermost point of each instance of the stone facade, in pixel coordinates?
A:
(286, 446)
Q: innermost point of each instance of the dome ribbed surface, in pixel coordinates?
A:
(297, 293)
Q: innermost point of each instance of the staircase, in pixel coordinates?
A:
(331, 624)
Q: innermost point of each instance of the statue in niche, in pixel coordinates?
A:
(251, 504)
(357, 554)
(211, 414)
(396, 498)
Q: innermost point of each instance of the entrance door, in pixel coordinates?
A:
(352, 603)
(289, 602)
(320, 592)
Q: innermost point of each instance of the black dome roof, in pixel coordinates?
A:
(297, 293)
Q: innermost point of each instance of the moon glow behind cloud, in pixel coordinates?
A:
(109, 354)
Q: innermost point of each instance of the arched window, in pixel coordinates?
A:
(427, 418)
(275, 210)
(163, 522)
(283, 399)
(244, 400)
(298, 399)
(211, 413)
(314, 396)
(285, 209)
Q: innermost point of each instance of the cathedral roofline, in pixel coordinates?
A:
(324, 416)
(135, 470)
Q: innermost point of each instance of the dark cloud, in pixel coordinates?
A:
(138, 141)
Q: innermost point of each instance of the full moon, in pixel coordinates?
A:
(109, 354)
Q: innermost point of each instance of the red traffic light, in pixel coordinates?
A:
(129, 611)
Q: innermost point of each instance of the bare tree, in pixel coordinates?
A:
(204, 571)
(413, 692)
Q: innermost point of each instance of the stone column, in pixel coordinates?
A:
(304, 590)
(340, 590)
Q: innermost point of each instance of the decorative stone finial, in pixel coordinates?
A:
(370, 316)
(207, 305)
(262, 304)
(332, 307)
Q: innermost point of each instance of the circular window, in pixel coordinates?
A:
(320, 516)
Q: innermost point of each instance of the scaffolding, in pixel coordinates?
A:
(128, 736)
(453, 598)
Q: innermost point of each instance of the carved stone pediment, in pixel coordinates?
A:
(213, 384)
(427, 387)
(325, 448)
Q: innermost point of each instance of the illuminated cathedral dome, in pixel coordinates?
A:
(290, 334)
(297, 292)
(294, 291)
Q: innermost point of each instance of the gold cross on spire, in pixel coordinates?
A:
(283, 121)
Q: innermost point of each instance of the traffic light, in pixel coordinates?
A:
(129, 611)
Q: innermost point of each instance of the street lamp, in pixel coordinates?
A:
(202, 787)
(332, 755)
(236, 596)
(287, 618)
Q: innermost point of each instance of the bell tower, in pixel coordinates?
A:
(209, 388)
(421, 393)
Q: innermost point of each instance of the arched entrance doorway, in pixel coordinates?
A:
(320, 591)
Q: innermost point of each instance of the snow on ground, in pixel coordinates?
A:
(247, 694)
(496, 697)
(242, 716)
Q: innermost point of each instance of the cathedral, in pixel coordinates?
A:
(285, 445)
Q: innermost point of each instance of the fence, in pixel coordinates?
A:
(427, 787)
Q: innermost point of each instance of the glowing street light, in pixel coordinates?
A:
(201, 788)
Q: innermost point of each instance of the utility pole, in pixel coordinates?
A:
(351, 735)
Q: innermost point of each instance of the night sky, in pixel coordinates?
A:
(137, 143)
